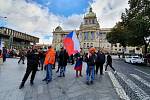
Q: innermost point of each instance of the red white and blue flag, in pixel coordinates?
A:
(71, 43)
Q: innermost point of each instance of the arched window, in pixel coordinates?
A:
(92, 35)
(86, 36)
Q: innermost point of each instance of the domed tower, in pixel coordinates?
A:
(89, 30)
(90, 20)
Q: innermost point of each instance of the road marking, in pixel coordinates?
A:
(120, 91)
(139, 92)
(141, 80)
(142, 72)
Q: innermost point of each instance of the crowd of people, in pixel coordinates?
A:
(37, 59)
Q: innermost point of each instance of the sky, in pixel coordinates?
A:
(40, 17)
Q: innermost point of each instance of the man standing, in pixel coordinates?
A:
(49, 61)
(4, 54)
(90, 60)
(32, 64)
(100, 60)
(63, 57)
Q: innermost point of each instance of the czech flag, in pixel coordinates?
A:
(71, 43)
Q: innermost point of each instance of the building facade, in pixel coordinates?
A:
(10, 39)
(90, 35)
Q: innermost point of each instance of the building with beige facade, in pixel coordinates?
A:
(90, 35)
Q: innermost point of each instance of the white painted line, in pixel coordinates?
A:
(142, 72)
(141, 80)
(139, 92)
(120, 91)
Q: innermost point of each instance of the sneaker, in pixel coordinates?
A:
(21, 86)
(91, 82)
(87, 82)
(48, 81)
(44, 79)
(31, 83)
(59, 76)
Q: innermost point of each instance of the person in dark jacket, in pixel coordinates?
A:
(32, 65)
(42, 58)
(90, 59)
(100, 60)
(109, 62)
(4, 54)
(22, 56)
(63, 57)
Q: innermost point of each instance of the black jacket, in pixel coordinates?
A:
(62, 58)
(100, 58)
(91, 60)
(32, 58)
(109, 59)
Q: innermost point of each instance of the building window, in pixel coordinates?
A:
(93, 21)
(91, 44)
(80, 36)
(92, 35)
(84, 45)
(115, 45)
(87, 45)
(119, 49)
(86, 36)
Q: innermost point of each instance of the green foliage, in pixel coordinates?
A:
(118, 35)
(135, 25)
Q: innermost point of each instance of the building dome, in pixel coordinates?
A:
(58, 29)
(91, 14)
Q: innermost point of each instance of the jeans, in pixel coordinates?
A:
(90, 73)
(62, 70)
(49, 72)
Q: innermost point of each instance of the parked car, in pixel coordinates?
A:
(134, 59)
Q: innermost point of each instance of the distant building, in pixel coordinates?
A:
(90, 35)
(14, 39)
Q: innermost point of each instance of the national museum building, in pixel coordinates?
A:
(90, 35)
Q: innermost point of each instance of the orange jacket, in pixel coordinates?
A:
(50, 56)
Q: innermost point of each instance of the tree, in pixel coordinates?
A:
(136, 20)
(118, 34)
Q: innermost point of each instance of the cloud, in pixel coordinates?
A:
(34, 19)
(109, 11)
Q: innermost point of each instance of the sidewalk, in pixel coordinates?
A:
(65, 88)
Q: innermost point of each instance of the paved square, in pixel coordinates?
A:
(65, 88)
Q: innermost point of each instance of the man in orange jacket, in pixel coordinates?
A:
(49, 61)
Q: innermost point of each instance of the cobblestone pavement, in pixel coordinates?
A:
(65, 88)
(132, 82)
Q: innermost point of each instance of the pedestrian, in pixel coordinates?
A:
(90, 59)
(4, 54)
(42, 58)
(32, 65)
(109, 62)
(49, 61)
(72, 59)
(63, 58)
(100, 60)
(57, 59)
(1, 57)
(22, 56)
(78, 65)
